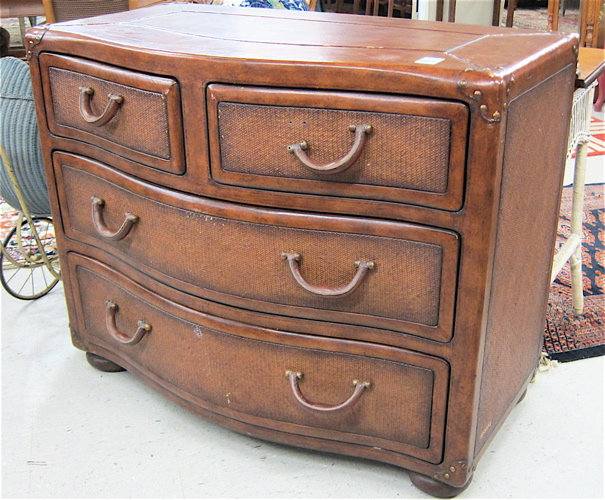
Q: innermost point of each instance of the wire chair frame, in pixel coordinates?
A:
(31, 259)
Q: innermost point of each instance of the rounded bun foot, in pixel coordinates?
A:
(434, 487)
(103, 364)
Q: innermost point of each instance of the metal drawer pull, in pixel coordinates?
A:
(363, 266)
(294, 377)
(110, 322)
(113, 104)
(334, 167)
(97, 219)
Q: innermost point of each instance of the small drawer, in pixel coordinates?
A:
(380, 147)
(389, 275)
(133, 115)
(397, 403)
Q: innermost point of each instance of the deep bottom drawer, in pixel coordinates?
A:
(241, 372)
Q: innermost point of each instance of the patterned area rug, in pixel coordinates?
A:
(537, 19)
(567, 336)
(596, 146)
(8, 218)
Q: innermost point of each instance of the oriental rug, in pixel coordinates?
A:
(596, 146)
(569, 336)
(537, 19)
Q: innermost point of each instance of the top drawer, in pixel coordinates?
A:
(414, 152)
(133, 115)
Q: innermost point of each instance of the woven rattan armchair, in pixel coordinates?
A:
(19, 137)
(68, 10)
(29, 263)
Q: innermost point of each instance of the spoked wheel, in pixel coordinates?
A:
(25, 273)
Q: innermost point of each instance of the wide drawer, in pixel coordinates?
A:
(358, 271)
(134, 115)
(240, 371)
(413, 153)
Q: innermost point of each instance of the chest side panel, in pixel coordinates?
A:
(530, 196)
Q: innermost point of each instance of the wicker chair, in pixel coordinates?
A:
(20, 139)
(68, 10)
(30, 265)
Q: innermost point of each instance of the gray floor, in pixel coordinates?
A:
(70, 431)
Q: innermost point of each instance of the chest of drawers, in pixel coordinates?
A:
(328, 231)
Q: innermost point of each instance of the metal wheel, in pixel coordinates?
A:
(25, 274)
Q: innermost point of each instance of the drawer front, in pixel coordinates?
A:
(186, 351)
(406, 275)
(414, 153)
(134, 115)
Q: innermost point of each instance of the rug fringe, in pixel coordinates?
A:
(545, 364)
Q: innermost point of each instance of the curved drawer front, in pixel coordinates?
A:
(414, 152)
(134, 115)
(406, 275)
(240, 371)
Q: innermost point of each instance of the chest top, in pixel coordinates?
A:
(433, 51)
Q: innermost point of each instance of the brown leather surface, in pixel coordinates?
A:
(311, 37)
(520, 284)
(147, 124)
(244, 377)
(462, 241)
(416, 146)
(238, 257)
(420, 159)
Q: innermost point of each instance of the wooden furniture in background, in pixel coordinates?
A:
(451, 11)
(552, 22)
(330, 231)
(389, 7)
(21, 9)
(589, 20)
(403, 7)
(510, 13)
(68, 10)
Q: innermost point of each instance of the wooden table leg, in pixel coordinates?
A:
(510, 12)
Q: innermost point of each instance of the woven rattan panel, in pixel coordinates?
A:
(519, 287)
(248, 376)
(243, 259)
(141, 123)
(68, 10)
(402, 151)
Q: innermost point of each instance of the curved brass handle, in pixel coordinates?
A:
(363, 266)
(110, 322)
(336, 166)
(114, 102)
(294, 377)
(97, 218)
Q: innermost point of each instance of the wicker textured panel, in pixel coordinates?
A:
(402, 151)
(536, 133)
(20, 139)
(248, 376)
(243, 259)
(140, 124)
(68, 10)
